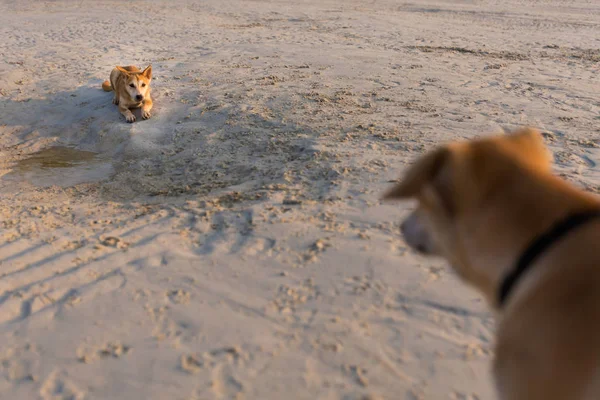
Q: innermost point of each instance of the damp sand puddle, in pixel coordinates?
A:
(60, 166)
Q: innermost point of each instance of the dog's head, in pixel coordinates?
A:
(137, 83)
(464, 191)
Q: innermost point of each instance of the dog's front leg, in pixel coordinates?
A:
(146, 107)
(127, 114)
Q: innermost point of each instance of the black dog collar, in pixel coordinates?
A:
(539, 245)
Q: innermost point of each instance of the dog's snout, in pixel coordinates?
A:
(139, 97)
(416, 235)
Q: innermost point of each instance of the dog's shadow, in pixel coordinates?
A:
(80, 117)
(185, 148)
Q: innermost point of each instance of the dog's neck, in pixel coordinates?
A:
(514, 234)
(539, 246)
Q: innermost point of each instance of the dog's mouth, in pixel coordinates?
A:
(421, 249)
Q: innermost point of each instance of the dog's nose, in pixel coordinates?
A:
(139, 97)
(403, 227)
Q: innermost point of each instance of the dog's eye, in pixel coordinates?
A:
(143, 85)
(132, 85)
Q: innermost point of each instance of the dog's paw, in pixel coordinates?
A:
(130, 118)
(146, 114)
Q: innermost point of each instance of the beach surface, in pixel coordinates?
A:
(234, 245)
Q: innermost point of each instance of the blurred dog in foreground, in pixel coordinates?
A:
(132, 90)
(529, 242)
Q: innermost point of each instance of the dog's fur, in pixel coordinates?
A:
(132, 90)
(480, 204)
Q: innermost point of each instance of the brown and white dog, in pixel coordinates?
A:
(132, 90)
(530, 243)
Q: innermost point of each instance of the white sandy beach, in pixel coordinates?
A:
(234, 245)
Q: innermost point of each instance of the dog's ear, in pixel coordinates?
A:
(528, 145)
(430, 180)
(423, 172)
(148, 72)
(122, 70)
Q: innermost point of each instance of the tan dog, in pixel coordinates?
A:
(132, 90)
(530, 242)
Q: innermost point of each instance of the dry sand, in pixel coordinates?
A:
(233, 246)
